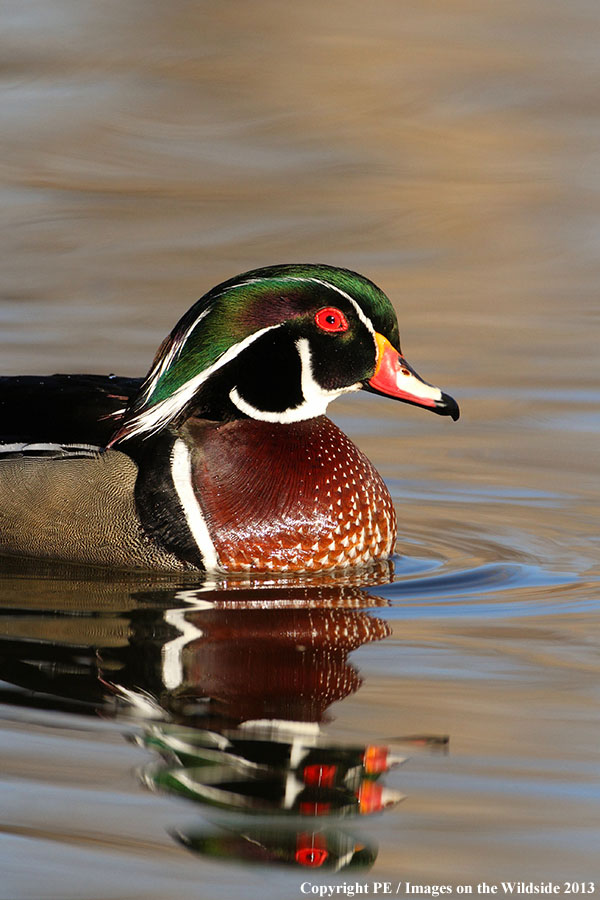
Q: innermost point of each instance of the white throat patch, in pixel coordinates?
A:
(315, 402)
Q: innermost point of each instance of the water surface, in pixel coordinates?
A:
(449, 152)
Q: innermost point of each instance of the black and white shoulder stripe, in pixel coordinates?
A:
(47, 450)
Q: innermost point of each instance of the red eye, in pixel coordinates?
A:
(331, 319)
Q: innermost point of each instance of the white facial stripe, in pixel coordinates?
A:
(314, 395)
(316, 399)
(171, 355)
(161, 413)
(360, 313)
(181, 473)
(233, 287)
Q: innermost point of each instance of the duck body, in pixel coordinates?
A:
(61, 495)
(222, 458)
(259, 487)
(294, 497)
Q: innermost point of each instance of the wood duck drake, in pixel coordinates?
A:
(221, 459)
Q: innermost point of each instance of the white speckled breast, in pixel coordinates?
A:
(297, 497)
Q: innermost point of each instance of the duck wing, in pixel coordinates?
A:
(63, 409)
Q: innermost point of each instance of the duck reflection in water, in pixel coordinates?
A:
(231, 689)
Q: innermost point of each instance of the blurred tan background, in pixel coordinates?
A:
(449, 150)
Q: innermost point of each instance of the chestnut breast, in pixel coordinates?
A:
(295, 497)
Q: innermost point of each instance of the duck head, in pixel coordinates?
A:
(278, 344)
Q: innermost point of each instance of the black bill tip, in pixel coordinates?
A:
(447, 406)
